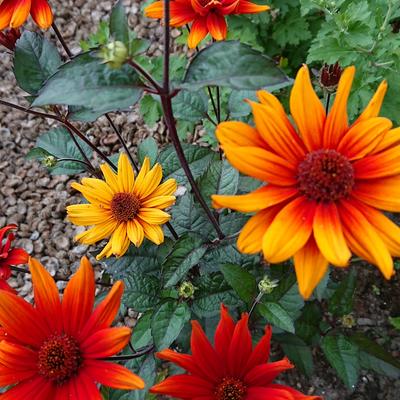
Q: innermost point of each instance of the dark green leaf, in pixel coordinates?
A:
(341, 302)
(307, 326)
(148, 148)
(37, 153)
(119, 29)
(141, 292)
(150, 109)
(242, 281)
(232, 64)
(141, 335)
(276, 315)
(395, 321)
(35, 60)
(190, 106)
(167, 323)
(343, 356)
(138, 46)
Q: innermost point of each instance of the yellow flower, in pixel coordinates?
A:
(122, 207)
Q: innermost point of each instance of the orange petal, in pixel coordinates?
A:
(247, 7)
(363, 239)
(198, 31)
(262, 198)
(184, 361)
(239, 134)
(278, 132)
(251, 237)
(216, 25)
(289, 231)
(329, 236)
(379, 165)
(22, 9)
(181, 12)
(47, 298)
(191, 387)
(379, 193)
(390, 139)
(113, 375)
(261, 164)
(6, 13)
(374, 106)
(36, 388)
(363, 137)
(310, 266)
(307, 110)
(336, 124)
(263, 374)
(78, 298)
(41, 13)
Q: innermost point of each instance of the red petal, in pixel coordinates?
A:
(247, 7)
(198, 31)
(263, 393)
(264, 374)
(216, 25)
(296, 394)
(260, 354)
(4, 230)
(17, 256)
(184, 361)
(82, 387)
(224, 333)
(21, 13)
(6, 12)
(35, 389)
(41, 13)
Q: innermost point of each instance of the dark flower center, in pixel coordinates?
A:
(230, 389)
(325, 175)
(210, 3)
(125, 206)
(59, 358)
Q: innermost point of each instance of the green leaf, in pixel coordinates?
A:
(190, 106)
(374, 357)
(343, 355)
(298, 352)
(232, 64)
(186, 253)
(35, 60)
(395, 321)
(59, 144)
(242, 281)
(37, 153)
(341, 302)
(141, 292)
(141, 335)
(119, 29)
(86, 82)
(307, 326)
(276, 315)
(150, 109)
(167, 323)
(148, 148)
(138, 46)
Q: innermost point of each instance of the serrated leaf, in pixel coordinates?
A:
(343, 356)
(167, 323)
(341, 302)
(242, 281)
(35, 60)
(232, 64)
(141, 292)
(186, 253)
(86, 82)
(148, 148)
(190, 106)
(276, 315)
(119, 28)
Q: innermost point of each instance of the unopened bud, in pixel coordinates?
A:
(9, 38)
(186, 290)
(267, 285)
(348, 321)
(330, 76)
(49, 161)
(114, 54)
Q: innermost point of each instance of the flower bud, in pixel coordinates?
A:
(329, 76)
(49, 161)
(186, 290)
(114, 54)
(348, 321)
(9, 38)
(266, 285)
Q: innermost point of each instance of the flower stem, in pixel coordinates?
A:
(127, 357)
(61, 39)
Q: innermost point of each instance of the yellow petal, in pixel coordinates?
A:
(119, 239)
(153, 232)
(98, 197)
(159, 202)
(126, 176)
(154, 216)
(142, 174)
(167, 188)
(87, 214)
(98, 232)
(150, 182)
(110, 177)
(135, 232)
(239, 134)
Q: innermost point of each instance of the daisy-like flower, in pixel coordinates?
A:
(230, 370)
(14, 13)
(55, 350)
(9, 256)
(125, 208)
(326, 181)
(206, 16)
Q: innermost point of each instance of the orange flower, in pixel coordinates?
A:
(14, 13)
(55, 349)
(327, 181)
(9, 256)
(231, 370)
(208, 16)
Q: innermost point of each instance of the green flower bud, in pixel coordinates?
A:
(266, 285)
(186, 290)
(114, 54)
(348, 321)
(49, 161)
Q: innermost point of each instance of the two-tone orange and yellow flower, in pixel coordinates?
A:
(56, 349)
(123, 207)
(206, 16)
(326, 181)
(14, 13)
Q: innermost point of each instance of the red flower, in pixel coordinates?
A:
(55, 350)
(9, 38)
(9, 256)
(208, 16)
(231, 370)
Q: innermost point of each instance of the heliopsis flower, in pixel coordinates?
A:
(230, 370)
(56, 350)
(13, 13)
(9, 256)
(327, 181)
(207, 16)
(123, 207)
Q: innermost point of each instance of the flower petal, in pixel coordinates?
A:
(36, 388)
(336, 124)
(22, 9)
(224, 333)
(198, 31)
(263, 374)
(153, 232)
(289, 231)
(153, 216)
(247, 7)
(167, 188)
(184, 361)
(6, 13)
(150, 182)
(310, 266)
(307, 110)
(263, 393)
(82, 387)
(329, 236)
(135, 232)
(119, 238)
(216, 25)
(98, 232)
(17, 256)
(238, 133)
(159, 202)
(374, 106)
(390, 139)
(88, 214)
(125, 176)
(110, 176)
(260, 354)
(41, 13)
